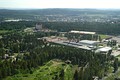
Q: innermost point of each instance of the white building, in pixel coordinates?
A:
(104, 49)
(88, 43)
(82, 32)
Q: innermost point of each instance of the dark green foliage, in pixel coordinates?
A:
(99, 27)
(62, 74)
(16, 25)
(115, 65)
(76, 75)
(56, 77)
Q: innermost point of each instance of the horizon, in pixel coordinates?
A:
(58, 8)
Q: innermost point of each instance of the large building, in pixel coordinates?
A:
(82, 32)
(84, 44)
(88, 43)
(104, 50)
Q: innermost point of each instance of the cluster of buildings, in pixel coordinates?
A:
(89, 45)
(94, 45)
(83, 44)
(86, 44)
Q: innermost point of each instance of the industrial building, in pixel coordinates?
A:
(88, 43)
(84, 44)
(104, 50)
(82, 32)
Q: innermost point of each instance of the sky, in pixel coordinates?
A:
(107, 4)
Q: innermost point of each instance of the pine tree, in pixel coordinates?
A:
(115, 65)
(76, 75)
(61, 74)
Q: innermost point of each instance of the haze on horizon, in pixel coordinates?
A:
(36, 4)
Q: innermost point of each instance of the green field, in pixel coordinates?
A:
(47, 72)
(104, 36)
(4, 31)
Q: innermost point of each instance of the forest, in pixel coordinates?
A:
(98, 27)
(22, 52)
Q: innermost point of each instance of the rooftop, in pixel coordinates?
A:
(82, 32)
(88, 41)
(105, 49)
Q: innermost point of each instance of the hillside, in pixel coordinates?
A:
(71, 15)
(49, 71)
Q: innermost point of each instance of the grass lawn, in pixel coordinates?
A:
(104, 36)
(4, 31)
(46, 72)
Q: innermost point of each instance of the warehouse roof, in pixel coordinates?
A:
(105, 49)
(82, 32)
(88, 41)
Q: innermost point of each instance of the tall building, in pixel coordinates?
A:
(38, 27)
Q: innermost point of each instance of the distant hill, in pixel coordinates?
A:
(57, 11)
(42, 13)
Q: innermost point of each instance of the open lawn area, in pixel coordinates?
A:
(4, 31)
(49, 71)
(104, 36)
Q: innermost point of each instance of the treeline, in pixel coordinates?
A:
(90, 72)
(16, 25)
(99, 27)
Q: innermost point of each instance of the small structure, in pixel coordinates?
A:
(116, 39)
(68, 62)
(62, 33)
(1, 37)
(38, 27)
(104, 49)
(6, 56)
(95, 78)
(118, 49)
